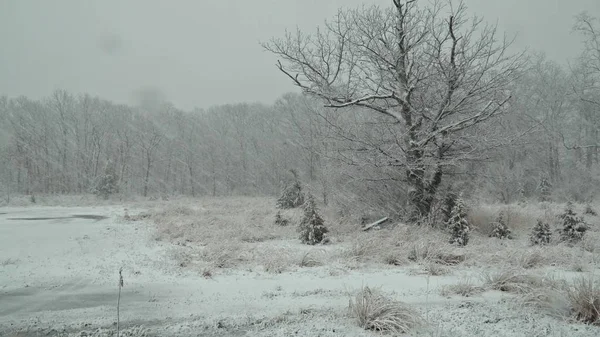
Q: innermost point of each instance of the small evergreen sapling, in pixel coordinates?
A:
(312, 227)
(545, 189)
(107, 184)
(458, 224)
(573, 226)
(522, 198)
(292, 195)
(501, 230)
(448, 205)
(541, 234)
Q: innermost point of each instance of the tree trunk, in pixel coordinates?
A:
(148, 163)
(192, 180)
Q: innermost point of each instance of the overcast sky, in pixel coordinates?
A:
(199, 53)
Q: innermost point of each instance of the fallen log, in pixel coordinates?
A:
(378, 222)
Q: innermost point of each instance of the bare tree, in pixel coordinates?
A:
(149, 139)
(432, 72)
(589, 28)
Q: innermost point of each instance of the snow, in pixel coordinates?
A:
(63, 279)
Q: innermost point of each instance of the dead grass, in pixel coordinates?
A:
(465, 288)
(215, 219)
(365, 248)
(276, 261)
(584, 300)
(512, 280)
(373, 311)
(577, 301)
(312, 258)
(8, 262)
(225, 254)
(432, 269)
(530, 258)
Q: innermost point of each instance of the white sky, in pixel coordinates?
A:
(204, 52)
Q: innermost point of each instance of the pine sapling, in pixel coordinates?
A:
(292, 195)
(458, 224)
(522, 198)
(448, 205)
(541, 234)
(312, 227)
(107, 184)
(545, 189)
(501, 230)
(573, 226)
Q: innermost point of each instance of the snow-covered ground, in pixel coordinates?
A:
(59, 277)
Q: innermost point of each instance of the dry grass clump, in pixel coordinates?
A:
(367, 248)
(584, 300)
(513, 280)
(373, 311)
(578, 300)
(274, 260)
(395, 257)
(432, 269)
(436, 252)
(465, 288)
(312, 258)
(530, 258)
(225, 254)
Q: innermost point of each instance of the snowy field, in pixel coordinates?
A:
(219, 267)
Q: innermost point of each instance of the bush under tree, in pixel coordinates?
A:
(573, 227)
(501, 230)
(541, 234)
(458, 224)
(312, 227)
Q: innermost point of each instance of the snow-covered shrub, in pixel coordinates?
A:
(280, 220)
(458, 224)
(545, 189)
(292, 195)
(107, 184)
(447, 206)
(501, 230)
(589, 210)
(312, 227)
(573, 226)
(541, 234)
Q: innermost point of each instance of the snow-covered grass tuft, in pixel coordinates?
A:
(512, 280)
(373, 311)
(584, 300)
(466, 288)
